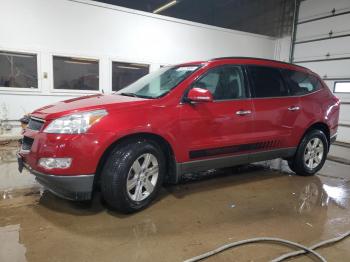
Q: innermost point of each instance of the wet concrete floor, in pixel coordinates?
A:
(204, 212)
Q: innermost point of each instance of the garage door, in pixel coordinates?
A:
(322, 43)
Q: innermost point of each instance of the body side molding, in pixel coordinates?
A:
(227, 161)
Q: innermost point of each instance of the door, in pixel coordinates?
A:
(221, 127)
(275, 110)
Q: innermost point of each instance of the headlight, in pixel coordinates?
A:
(75, 123)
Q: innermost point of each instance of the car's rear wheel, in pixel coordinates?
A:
(311, 154)
(132, 176)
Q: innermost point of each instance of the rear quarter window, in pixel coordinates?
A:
(300, 83)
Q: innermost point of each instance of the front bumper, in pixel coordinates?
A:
(77, 188)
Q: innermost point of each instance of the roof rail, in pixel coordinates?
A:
(255, 58)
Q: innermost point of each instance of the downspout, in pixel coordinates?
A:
(294, 30)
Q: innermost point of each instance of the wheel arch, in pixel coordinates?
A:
(155, 138)
(320, 126)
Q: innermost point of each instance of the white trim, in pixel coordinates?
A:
(54, 91)
(6, 89)
(131, 61)
(167, 18)
(43, 94)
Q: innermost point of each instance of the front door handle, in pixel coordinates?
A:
(243, 112)
(294, 108)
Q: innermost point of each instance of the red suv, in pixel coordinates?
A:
(184, 118)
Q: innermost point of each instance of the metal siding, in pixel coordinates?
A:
(315, 8)
(330, 69)
(338, 47)
(321, 28)
(332, 48)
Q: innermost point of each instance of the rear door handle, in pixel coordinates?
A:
(294, 108)
(243, 112)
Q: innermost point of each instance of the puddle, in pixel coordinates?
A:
(186, 220)
(10, 178)
(13, 193)
(206, 209)
(10, 248)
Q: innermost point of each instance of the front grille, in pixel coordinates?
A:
(35, 124)
(27, 143)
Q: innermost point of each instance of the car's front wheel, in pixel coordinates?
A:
(311, 154)
(132, 175)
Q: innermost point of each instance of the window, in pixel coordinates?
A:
(158, 83)
(18, 70)
(226, 82)
(342, 87)
(300, 83)
(75, 73)
(124, 74)
(267, 82)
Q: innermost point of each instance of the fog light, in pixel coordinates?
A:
(50, 163)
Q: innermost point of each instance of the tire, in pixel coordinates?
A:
(309, 159)
(124, 167)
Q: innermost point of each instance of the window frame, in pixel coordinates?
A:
(343, 81)
(252, 87)
(115, 60)
(8, 89)
(52, 89)
(246, 83)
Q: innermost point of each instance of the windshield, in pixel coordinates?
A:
(158, 83)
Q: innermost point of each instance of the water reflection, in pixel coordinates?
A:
(338, 194)
(308, 193)
(316, 193)
(10, 178)
(310, 196)
(8, 155)
(10, 248)
(6, 195)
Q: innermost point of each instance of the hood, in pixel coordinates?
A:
(87, 103)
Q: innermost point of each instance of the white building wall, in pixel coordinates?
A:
(83, 28)
(282, 48)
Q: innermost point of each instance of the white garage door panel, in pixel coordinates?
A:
(338, 47)
(344, 113)
(340, 68)
(343, 134)
(315, 8)
(338, 25)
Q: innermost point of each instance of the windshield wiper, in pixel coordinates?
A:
(135, 95)
(128, 94)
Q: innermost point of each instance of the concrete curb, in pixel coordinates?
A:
(338, 160)
(343, 144)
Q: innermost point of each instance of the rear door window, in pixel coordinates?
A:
(267, 82)
(301, 83)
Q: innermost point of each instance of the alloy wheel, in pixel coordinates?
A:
(142, 177)
(313, 153)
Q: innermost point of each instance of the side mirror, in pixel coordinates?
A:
(197, 94)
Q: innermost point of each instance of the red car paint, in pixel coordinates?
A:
(184, 126)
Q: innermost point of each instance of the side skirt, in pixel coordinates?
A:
(227, 161)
